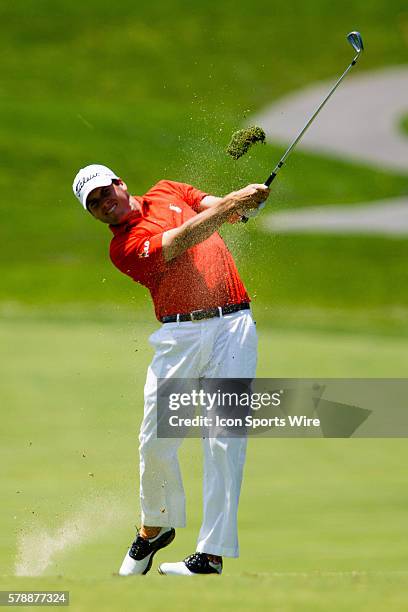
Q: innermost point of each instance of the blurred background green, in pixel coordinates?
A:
(155, 90)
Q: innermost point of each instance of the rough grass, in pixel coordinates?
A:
(116, 84)
(404, 124)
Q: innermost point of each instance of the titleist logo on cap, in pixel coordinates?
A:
(83, 181)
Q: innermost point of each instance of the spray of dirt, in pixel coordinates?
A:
(38, 545)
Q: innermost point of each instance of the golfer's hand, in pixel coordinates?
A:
(250, 197)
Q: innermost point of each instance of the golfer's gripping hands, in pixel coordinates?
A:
(234, 205)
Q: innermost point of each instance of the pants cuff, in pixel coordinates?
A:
(214, 549)
(162, 520)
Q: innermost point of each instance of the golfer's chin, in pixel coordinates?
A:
(116, 217)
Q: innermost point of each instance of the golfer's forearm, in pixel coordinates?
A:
(197, 229)
(208, 202)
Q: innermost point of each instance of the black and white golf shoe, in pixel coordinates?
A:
(195, 565)
(139, 558)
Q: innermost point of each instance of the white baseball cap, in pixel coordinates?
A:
(90, 178)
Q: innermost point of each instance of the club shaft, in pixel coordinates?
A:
(312, 118)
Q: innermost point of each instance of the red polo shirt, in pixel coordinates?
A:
(204, 276)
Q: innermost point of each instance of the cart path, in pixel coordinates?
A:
(386, 217)
(360, 122)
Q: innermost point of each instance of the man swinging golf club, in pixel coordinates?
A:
(167, 240)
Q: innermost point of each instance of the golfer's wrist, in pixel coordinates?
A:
(229, 204)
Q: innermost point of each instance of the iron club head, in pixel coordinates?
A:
(356, 41)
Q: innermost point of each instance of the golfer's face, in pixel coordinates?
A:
(109, 204)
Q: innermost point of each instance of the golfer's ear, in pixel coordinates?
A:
(122, 184)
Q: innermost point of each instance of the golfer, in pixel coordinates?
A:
(167, 240)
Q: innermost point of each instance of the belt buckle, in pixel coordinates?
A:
(195, 315)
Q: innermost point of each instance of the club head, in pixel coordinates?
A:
(356, 41)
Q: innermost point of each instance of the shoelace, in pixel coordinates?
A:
(198, 560)
(140, 547)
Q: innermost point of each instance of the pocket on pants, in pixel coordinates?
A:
(159, 336)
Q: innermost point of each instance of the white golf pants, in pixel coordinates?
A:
(224, 347)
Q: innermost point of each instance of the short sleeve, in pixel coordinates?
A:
(188, 193)
(138, 254)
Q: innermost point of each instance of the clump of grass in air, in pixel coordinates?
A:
(242, 140)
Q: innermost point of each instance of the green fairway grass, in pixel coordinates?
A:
(320, 520)
(354, 591)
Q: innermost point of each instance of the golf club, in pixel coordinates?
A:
(355, 40)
